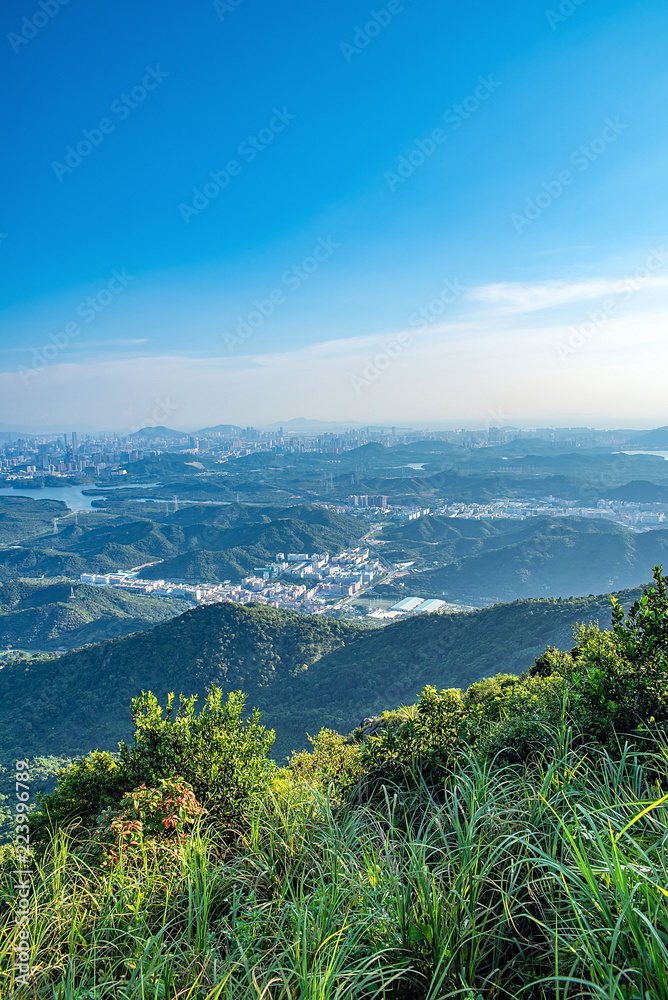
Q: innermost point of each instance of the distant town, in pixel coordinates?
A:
(296, 582)
(395, 476)
(638, 516)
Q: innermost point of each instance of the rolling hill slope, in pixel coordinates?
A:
(223, 544)
(43, 615)
(556, 557)
(302, 672)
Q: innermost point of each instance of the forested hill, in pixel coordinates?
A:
(198, 543)
(302, 672)
(48, 615)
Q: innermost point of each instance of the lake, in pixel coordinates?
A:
(73, 496)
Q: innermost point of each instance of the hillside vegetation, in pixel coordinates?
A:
(303, 672)
(23, 517)
(505, 841)
(484, 562)
(55, 614)
(218, 545)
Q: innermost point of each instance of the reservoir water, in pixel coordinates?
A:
(73, 496)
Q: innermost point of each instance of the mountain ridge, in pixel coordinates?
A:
(302, 672)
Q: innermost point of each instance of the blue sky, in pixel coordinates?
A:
(315, 112)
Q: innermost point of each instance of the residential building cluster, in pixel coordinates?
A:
(411, 513)
(296, 581)
(638, 516)
(378, 500)
(343, 575)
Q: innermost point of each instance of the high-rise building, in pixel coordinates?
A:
(374, 500)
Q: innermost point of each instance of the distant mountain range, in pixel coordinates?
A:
(656, 439)
(651, 439)
(168, 433)
(159, 433)
(229, 429)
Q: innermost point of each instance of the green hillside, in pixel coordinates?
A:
(202, 543)
(302, 672)
(486, 562)
(53, 614)
(23, 517)
(216, 554)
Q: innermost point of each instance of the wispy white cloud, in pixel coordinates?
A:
(519, 297)
(452, 372)
(498, 350)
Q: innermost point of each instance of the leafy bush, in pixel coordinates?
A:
(224, 756)
(333, 759)
(424, 745)
(86, 788)
(505, 697)
(168, 811)
(619, 679)
(515, 740)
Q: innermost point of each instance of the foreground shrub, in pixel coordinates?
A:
(539, 882)
(146, 815)
(84, 789)
(424, 745)
(619, 679)
(221, 754)
(334, 759)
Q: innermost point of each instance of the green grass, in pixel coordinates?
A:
(549, 881)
